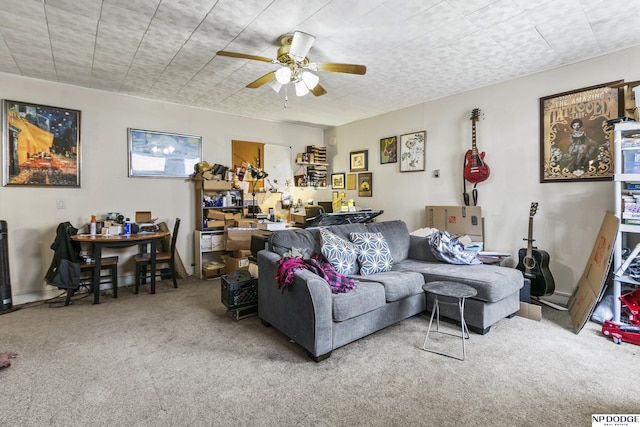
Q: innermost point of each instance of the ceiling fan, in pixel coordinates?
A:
(295, 66)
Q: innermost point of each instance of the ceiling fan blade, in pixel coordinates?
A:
(338, 68)
(318, 90)
(262, 80)
(300, 45)
(245, 56)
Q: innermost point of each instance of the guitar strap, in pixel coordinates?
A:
(465, 195)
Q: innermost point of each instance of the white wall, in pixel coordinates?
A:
(31, 212)
(569, 214)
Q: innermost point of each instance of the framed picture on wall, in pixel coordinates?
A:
(337, 181)
(365, 184)
(575, 139)
(351, 181)
(359, 160)
(412, 151)
(389, 150)
(41, 145)
(163, 154)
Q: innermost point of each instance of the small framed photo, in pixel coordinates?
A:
(337, 181)
(365, 184)
(41, 145)
(359, 161)
(389, 150)
(163, 154)
(412, 151)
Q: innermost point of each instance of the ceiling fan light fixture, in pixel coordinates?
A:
(283, 75)
(275, 85)
(310, 79)
(301, 88)
(300, 45)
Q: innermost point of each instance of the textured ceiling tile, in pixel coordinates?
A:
(88, 8)
(440, 15)
(410, 8)
(426, 48)
(59, 20)
(30, 9)
(466, 7)
(122, 19)
(494, 13)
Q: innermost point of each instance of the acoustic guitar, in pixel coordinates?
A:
(475, 169)
(534, 263)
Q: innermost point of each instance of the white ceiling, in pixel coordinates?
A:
(414, 50)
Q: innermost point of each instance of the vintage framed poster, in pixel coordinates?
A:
(337, 181)
(365, 184)
(575, 139)
(389, 150)
(412, 151)
(41, 145)
(359, 160)
(163, 154)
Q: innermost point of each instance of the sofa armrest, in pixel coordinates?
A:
(303, 312)
(420, 250)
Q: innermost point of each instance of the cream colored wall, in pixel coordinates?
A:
(569, 214)
(31, 212)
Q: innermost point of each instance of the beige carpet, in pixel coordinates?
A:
(176, 359)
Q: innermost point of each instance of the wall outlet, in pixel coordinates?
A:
(60, 204)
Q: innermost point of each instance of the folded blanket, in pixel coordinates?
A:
(287, 266)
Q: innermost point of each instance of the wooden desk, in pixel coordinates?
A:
(99, 241)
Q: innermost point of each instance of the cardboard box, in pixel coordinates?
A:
(592, 282)
(242, 253)
(213, 184)
(232, 264)
(239, 238)
(457, 220)
(530, 311)
(143, 216)
(216, 214)
(298, 218)
(246, 223)
(215, 224)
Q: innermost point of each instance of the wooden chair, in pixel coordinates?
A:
(168, 259)
(86, 275)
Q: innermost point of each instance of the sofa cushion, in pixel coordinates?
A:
(397, 235)
(373, 253)
(492, 282)
(366, 297)
(284, 241)
(341, 253)
(398, 285)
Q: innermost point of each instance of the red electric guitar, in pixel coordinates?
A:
(475, 169)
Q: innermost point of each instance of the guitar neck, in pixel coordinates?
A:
(474, 147)
(530, 238)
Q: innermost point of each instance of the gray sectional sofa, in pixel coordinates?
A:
(318, 320)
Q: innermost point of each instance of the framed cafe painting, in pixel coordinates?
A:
(41, 145)
(575, 139)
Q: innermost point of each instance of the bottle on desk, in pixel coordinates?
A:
(127, 227)
(92, 225)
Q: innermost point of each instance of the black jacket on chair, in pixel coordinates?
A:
(64, 271)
